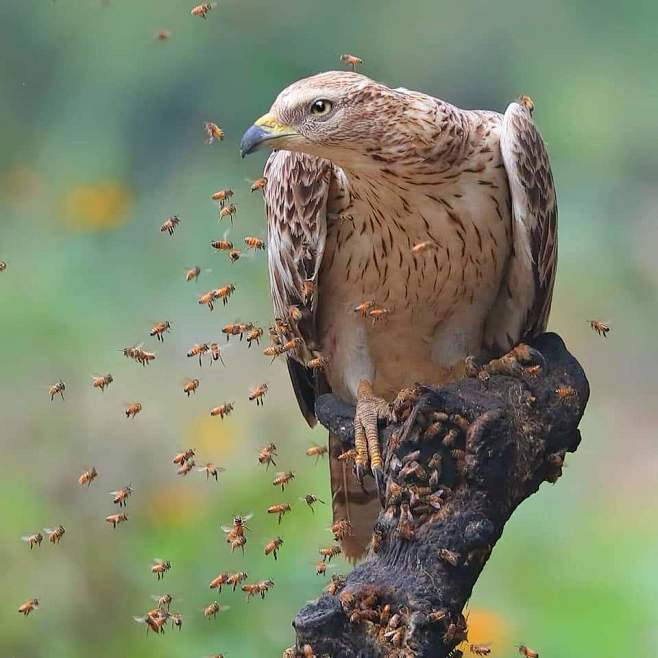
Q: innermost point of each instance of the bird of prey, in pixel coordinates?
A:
(443, 219)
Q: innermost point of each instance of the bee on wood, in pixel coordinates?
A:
(527, 652)
(28, 607)
(169, 225)
(222, 196)
(341, 529)
(294, 313)
(192, 273)
(565, 391)
(254, 336)
(198, 350)
(222, 245)
(308, 290)
(33, 540)
(160, 329)
(378, 314)
(222, 410)
(336, 583)
(120, 497)
(115, 519)
(423, 246)
(480, 649)
(283, 478)
(57, 389)
(377, 538)
(3, 265)
(601, 328)
(213, 131)
(133, 409)
(259, 184)
(211, 471)
(351, 60)
(212, 610)
(88, 476)
(258, 394)
(190, 386)
(266, 455)
(451, 557)
(292, 345)
(254, 243)
(316, 451)
(160, 568)
(101, 381)
(234, 255)
(218, 581)
(185, 467)
(310, 500)
(318, 363)
(328, 552)
(236, 578)
(405, 527)
(273, 546)
(55, 534)
(280, 510)
(364, 308)
(228, 211)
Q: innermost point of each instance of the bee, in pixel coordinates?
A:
(364, 307)
(273, 351)
(318, 363)
(33, 540)
(341, 529)
(28, 606)
(320, 567)
(258, 588)
(236, 578)
(222, 196)
(316, 451)
(133, 409)
(225, 292)
(211, 471)
(347, 456)
(183, 457)
(238, 528)
(115, 519)
(228, 211)
(143, 357)
(222, 245)
(57, 389)
(273, 546)
(259, 184)
(190, 386)
(258, 394)
(406, 523)
(294, 313)
(377, 538)
(601, 328)
(232, 329)
(254, 243)
(448, 556)
(192, 273)
(213, 609)
(219, 580)
(378, 314)
(311, 499)
(328, 552)
(160, 568)
(160, 329)
(162, 35)
(202, 11)
(234, 255)
(3, 265)
(527, 652)
(163, 601)
(208, 299)
(213, 131)
(307, 651)
(283, 478)
(155, 621)
(198, 350)
(337, 582)
(292, 345)
(120, 497)
(254, 336)
(565, 391)
(55, 534)
(185, 467)
(437, 615)
(88, 476)
(280, 510)
(102, 381)
(176, 620)
(222, 410)
(480, 649)
(351, 60)
(423, 246)
(266, 454)
(308, 289)
(169, 225)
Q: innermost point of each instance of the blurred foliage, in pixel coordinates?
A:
(101, 132)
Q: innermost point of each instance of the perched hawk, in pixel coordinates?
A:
(408, 234)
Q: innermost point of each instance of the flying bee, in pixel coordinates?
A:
(238, 528)
(351, 60)
(33, 540)
(88, 476)
(245, 327)
(225, 292)
(601, 328)
(202, 11)
(347, 456)
(565, 391)
(57, 389)
(341, 529)
(316, 451)
(273, 351)
(176, 620)
(190, 386)
(228, 211)
(120, 497)
(208, 299)
(160, 329)
(320, 567)
(378, 314)
(236, 578)
(238, 542)
(219, 580)
(102, 381)
(254, 243)
(266, 455)
(55, 534)
(234, 255)
(222, 245)
(292, 345)
(213, 609)
(258, 588)
(283, 478)
(423, 246)
(258, 394)
(280, 510)
(183, 457)
(364, 307)
(527, 652)
(213, 131)
(143, 357)
(216, 353)
(480, 649)
(259, 184)
(328, 552)
(222, 196)
(222, 410)
(155, 621)
(254, 336)
(318, 363)
(28, 606)
(192, 273)
(198, 350)
(115, 519)
(169, 225)
(160, 568)
(164, 601)
(310, 500)
(232, 329)
(133, 409)
(3, 266)
(186, 467)
(273, 546)
(162, 35)
(211, 471)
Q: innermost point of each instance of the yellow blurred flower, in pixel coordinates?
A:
(485, 626)
(214, 437)
(97, 207)
(176, 505)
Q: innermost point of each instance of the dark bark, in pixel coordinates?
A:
(459, 459)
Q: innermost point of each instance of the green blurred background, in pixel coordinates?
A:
(101, 138)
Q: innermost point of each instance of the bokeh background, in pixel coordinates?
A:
(101, 138)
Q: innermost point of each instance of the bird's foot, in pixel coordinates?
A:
(369, 410)
(518, 360)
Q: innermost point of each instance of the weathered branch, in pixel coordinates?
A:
(459, 461)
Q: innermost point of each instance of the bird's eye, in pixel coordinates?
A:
(321, 107)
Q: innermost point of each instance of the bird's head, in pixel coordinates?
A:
(339, 115)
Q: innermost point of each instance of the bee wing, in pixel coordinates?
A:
(222, 608)
(226, 528)
(48, 531)
(26, 538)
(140, 620)
(200, 469)
(246, 517)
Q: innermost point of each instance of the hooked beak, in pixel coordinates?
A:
(266, 129)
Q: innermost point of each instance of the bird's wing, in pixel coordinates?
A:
(524, 300)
